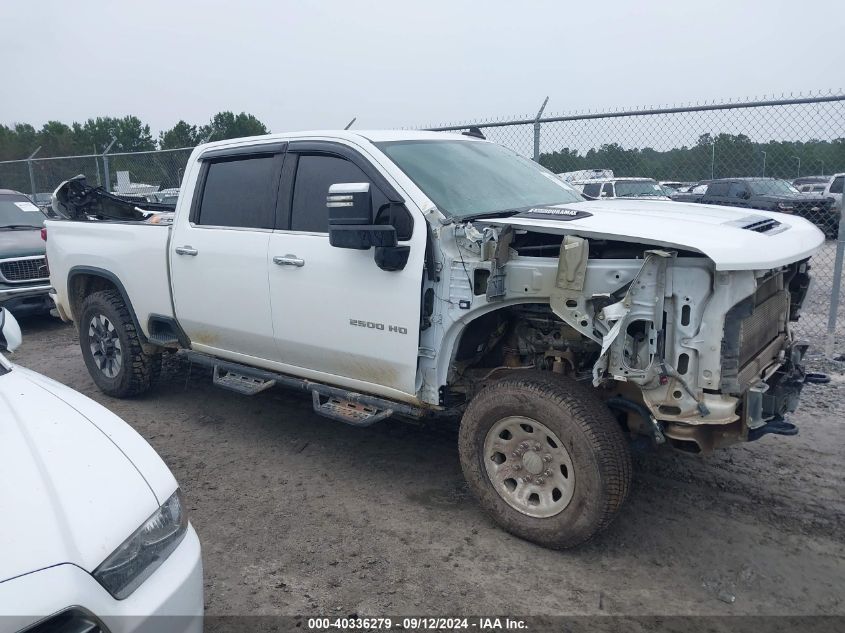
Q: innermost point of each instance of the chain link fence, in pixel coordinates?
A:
(681, 147)
(135, 173)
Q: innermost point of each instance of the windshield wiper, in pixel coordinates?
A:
(18, 227)
(491, 214)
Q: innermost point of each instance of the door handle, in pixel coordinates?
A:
(186, 250)
(289, 260)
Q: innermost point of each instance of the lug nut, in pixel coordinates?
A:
(547, 473)
(527, 479)
(517, 466)
(540, 480)
(523, 445)
(547, 458)
(537, 447)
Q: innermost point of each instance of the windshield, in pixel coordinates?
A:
(637, 188)
(772, 187)
(18, 210)
(474, 178)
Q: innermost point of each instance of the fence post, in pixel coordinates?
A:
(31, 173)
(106, 175)
(537, 130)
(835, 283)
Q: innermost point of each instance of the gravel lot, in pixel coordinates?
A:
(301, 515)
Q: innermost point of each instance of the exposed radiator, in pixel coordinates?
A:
(764, 325)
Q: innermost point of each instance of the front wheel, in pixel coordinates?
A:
(545, 457)
(112, 348)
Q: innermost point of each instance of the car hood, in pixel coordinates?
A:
(74, 480)
(20, 243)
(712, 230)
(807, 196)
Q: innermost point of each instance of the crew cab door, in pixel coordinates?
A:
(218, 255)
(739, 194)
(338, 317)
(716, 193)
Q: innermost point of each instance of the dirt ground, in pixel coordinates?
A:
(301, 515)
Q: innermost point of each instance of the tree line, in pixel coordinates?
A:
(130, 134)
(719, 156)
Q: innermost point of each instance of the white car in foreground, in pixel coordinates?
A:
(94, 536)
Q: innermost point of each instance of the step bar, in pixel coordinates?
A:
(336, 394)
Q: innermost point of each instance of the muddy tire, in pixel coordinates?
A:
(112, 348)
(545, 457)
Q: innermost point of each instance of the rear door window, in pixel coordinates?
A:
(836, 185)
(737, 190)
(240, 193)
(607, 190)
(717, 189)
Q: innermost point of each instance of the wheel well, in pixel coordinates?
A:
(520, 336)
(83, 285)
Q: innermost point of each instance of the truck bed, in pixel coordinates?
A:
(133, 254)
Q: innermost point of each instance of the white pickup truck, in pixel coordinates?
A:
(418, 273)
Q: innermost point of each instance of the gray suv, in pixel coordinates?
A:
(24, 276)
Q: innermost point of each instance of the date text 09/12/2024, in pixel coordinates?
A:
(418, 624)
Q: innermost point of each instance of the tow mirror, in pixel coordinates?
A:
(351, 218)
(10, 332)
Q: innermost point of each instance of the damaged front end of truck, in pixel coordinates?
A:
(690, 342)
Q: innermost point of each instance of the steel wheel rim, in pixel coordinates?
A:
(529, 466)
(105, 345)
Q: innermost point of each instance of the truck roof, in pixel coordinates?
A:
(615, 179)
(374, 136)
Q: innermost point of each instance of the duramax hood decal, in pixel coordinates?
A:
(553, 213)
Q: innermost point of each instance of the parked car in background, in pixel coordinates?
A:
(676, 185)
(24, 276)
(94, 528)
(165, 196)
(626, 187)
(811, 187)
(44, 201)
(585, 174)
(810, 180)
(833, 190)
(691, 193)
(774, 194)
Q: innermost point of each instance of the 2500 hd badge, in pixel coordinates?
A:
(372, 325)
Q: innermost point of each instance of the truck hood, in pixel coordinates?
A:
(803, 197)
(720, 233)
(71, 482)
(21, 243)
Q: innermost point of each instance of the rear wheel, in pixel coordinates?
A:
(112, 349)
(545, 457)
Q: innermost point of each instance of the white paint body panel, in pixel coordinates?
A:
(313, 307)
(132, 252)
(697, 227)
(174, 589)
(75, 482)
(220, 294)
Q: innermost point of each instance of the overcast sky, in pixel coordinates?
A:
(312, 64)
